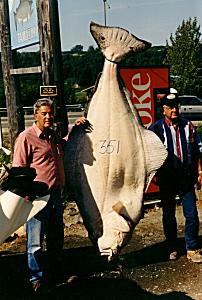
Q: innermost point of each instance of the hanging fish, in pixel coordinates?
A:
(23, 12)
(108, 167)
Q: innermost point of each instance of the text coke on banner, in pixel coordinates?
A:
(141, 82)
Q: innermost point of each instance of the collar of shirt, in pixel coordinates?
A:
(41, 134)
(169, 123)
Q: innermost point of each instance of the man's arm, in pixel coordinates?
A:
(22, 152)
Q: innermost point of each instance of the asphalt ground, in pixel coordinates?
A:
(142, 271)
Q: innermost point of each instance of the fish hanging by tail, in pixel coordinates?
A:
(108, 167)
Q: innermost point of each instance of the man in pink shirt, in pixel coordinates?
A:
(41, 148)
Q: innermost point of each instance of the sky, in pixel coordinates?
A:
(152, 20)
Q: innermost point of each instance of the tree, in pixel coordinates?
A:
(152, 57)
(2, 94)
(183, 57)
(77, 49)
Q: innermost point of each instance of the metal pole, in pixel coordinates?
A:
(105, 14)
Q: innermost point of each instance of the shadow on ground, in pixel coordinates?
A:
(96, 279)
(153, 254)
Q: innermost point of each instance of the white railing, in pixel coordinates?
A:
(27, 109)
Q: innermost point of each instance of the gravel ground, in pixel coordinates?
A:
(142, 271)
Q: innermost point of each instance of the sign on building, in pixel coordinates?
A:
(48, 90)
(23, 23)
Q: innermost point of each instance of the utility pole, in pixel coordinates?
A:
(51, 56)
(105, 14)
(61, 113)
(106, 5)
(51, 66)
(14, 111)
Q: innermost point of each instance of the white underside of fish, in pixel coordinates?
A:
(108, 168)
(112, 164)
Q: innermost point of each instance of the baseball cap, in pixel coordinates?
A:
(171, 100)
(173, 91)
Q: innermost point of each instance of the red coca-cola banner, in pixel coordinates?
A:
(142, 82)
(144, 85)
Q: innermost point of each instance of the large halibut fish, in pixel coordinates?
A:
(107, 169)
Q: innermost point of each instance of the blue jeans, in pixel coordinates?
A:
(188, 199)
(49, 222)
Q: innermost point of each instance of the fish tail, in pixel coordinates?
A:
(116, 42)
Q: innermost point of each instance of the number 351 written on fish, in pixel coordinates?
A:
(109, 146)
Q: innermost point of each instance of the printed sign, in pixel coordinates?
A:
(23, 23)
(50, 90)
(141, 83)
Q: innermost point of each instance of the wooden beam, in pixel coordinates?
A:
(29, 70)
(12, 96)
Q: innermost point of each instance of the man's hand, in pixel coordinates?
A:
(199, 183)
(84, 123)
(80, 121)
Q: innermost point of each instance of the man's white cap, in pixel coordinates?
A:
(173, 91)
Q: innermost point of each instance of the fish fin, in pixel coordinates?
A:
(153, 146)
(155, 153)
(132, 106)
(116, 42)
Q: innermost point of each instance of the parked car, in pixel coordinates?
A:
(191, 107)
(74, 107)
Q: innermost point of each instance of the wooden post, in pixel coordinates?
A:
(46, 51)
(13, 111)
(51, 57)
(61, 113)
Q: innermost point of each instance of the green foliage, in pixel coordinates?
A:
(30, 89)
(80, 97)
(27, 59)
(69, 92)
(77, 49)
(199, 130)
(80, 71)
(4, 159)
(184, 59)
(152, 57)
(81, 68)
